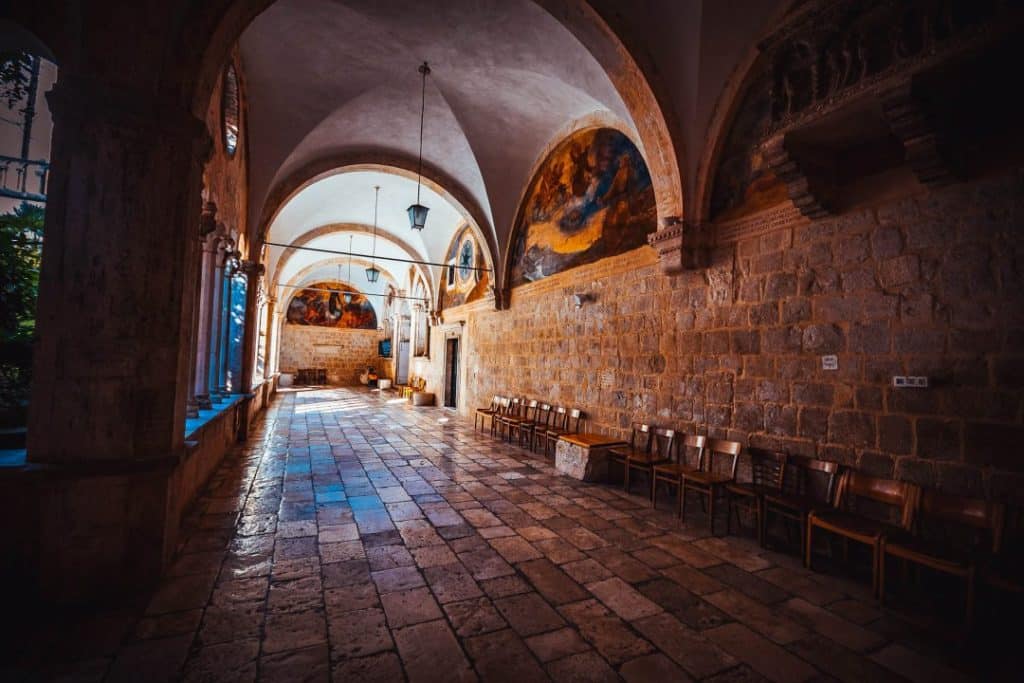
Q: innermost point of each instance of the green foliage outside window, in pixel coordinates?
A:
(21, 239)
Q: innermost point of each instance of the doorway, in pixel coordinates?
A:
(451, 372)
(402, 359)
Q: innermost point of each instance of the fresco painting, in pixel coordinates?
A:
(744, 183)
(463, 282)
(591, 198)
(322, 304)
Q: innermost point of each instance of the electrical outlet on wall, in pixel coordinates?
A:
(910, 382)
(830, 362)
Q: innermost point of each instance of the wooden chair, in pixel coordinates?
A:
(526, 424)
(541, 422)
(939, 541)
(483, 414)
(710, 482)
(807, 485)
(689, 457)
(662, 446)
(849, 521)
(504, 405)
(572, 425)
(512, 415)
(558, 426)
(639, 444)
(1005, 572)
(767, 471)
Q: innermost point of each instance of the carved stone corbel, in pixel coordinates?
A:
(806, 182)
(679, 245)
(928, 154)
(668, 242)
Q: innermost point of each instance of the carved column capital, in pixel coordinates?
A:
(679, 245)
(252, 268)
(207, 220)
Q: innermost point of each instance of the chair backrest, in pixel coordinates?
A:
(691, 450)
(952, 518)
(513, 408)
(767, 467)
(559, 417)
(572, 423)
(543, 417)
(721, 451)
(815, 479)
(496, 402)
(663, 443)
(640, 436)
(530, 412)
(878, 498)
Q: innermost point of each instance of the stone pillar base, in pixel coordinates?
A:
(583, 462)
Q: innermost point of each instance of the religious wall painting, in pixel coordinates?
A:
(466, 278)
(591, 198)
(323, 305)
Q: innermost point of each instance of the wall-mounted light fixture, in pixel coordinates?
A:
(579, 299)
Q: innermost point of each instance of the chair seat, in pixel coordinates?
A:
(801, 504)
(854, 526)
(707, 478)
(749, 490)
(486, 411)
(673, 469)
(1006, 573)
(927, 552)
(555, 432)
(645, 459)
(625, 452)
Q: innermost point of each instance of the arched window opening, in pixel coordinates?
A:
(26, 126)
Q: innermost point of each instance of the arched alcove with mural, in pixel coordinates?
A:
(589, 199)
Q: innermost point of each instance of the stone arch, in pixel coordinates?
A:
(332, 228)
(698, 210)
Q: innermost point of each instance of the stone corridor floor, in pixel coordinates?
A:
(355, 538)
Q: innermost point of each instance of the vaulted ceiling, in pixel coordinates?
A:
(329, 81)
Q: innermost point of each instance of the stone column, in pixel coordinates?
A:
(201, 385)
(225, 325)
(111, 364)
(223, 246)
(253, 271)
(206, 226)
(270, 363)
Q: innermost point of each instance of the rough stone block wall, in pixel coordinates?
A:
(346, 353)
(929, 285)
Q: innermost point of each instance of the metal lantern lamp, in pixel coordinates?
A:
(418, 212)
(372, 273)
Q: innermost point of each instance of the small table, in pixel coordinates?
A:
(584, 456)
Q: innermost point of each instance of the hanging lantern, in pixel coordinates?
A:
(418, 212)
(418, 215)
(372, 273)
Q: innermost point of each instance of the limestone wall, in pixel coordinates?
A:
(921, 286)
(346, 353)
